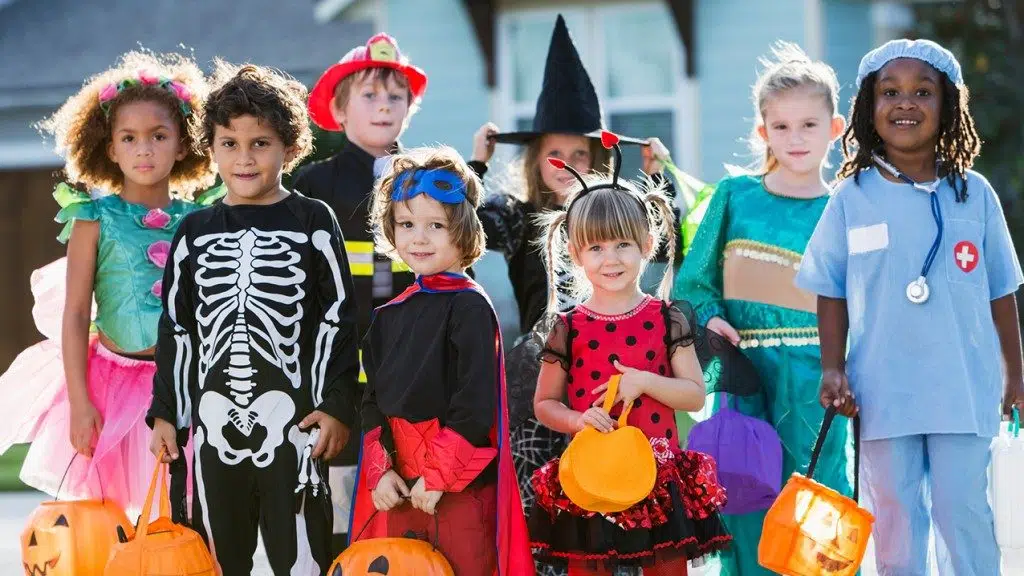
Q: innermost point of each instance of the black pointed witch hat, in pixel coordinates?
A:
(568, 103)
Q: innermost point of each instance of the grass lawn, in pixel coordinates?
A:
(10, 466)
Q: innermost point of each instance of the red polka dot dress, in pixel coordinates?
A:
(680, 516)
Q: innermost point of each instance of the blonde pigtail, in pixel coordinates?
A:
(665, 233)
(554, 246)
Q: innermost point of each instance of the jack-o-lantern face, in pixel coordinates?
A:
(391, 557)
(70, 538)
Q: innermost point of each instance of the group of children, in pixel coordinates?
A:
(239, 324)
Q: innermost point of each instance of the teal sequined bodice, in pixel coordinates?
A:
(133, 246)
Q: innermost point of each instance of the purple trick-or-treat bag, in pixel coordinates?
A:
(749, 457)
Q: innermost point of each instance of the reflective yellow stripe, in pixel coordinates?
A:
(359, 247)
(360, 259)
(362, 374)
(361, 268)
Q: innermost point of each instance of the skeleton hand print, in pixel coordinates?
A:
(309, 476)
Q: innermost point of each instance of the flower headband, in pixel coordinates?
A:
(144, 78)
(441, 184)
(610, 141)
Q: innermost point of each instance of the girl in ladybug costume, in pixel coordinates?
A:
(608, 233)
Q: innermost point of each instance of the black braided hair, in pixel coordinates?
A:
(959, 143)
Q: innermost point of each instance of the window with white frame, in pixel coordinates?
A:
(635, 59)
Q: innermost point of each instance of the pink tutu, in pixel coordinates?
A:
(121, 389)
(34, 408)
(31, 384)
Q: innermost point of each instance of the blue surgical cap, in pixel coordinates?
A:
(924, 50)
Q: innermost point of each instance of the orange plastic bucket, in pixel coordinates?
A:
(812, 530)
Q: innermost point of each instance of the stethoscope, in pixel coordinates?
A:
(917, 290)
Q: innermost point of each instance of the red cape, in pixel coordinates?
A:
(513, 541)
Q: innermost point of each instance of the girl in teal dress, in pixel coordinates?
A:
(80, 397)
(740, 269)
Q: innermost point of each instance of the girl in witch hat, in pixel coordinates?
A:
(567, 125)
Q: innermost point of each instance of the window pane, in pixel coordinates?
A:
(641, 125)
(636, 41)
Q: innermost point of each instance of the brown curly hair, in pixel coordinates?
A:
(467, 232)
(81, 128)
(265, 93)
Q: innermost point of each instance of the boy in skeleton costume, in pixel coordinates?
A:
(256, 354)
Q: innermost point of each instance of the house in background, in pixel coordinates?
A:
(51, 46)
(680, 70)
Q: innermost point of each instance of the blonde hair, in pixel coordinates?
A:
(601, 215)
(521, 177)
(81, 128)
(467, 233)
(790, 69)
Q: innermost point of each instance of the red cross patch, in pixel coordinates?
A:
(965, 254)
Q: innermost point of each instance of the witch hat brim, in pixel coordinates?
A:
(567, 103)
(527, 137)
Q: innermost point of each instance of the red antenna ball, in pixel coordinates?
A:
(608, 139)
(557, 163)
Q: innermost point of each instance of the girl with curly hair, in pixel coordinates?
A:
(130, 136)
(935, 350)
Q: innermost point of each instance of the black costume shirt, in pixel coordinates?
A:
(258, 319)
(433, 357)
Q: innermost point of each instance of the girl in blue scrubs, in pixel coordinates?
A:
(913, 265)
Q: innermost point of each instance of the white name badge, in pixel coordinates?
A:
(867, 238)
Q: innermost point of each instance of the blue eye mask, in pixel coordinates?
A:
(441, 184)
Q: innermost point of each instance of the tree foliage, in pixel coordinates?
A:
(988, 38)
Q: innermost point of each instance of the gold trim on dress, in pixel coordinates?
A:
(764, 252)
(776, 337)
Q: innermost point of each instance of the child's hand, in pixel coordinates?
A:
(164, 439)
(719, 326)
(1013, 395)
(390, 491)
(86, 425)
(653, 156)
(423, 499)
(835, 391)
(597, 419)
(632, 384)
(333, 434)
(483, 146)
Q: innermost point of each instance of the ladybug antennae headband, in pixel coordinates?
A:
(611, 142)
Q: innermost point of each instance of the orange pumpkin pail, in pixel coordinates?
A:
(68, 538)
(812, 530)
(71, 538)
(608, 472)
(391, 556)
(161, 547)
